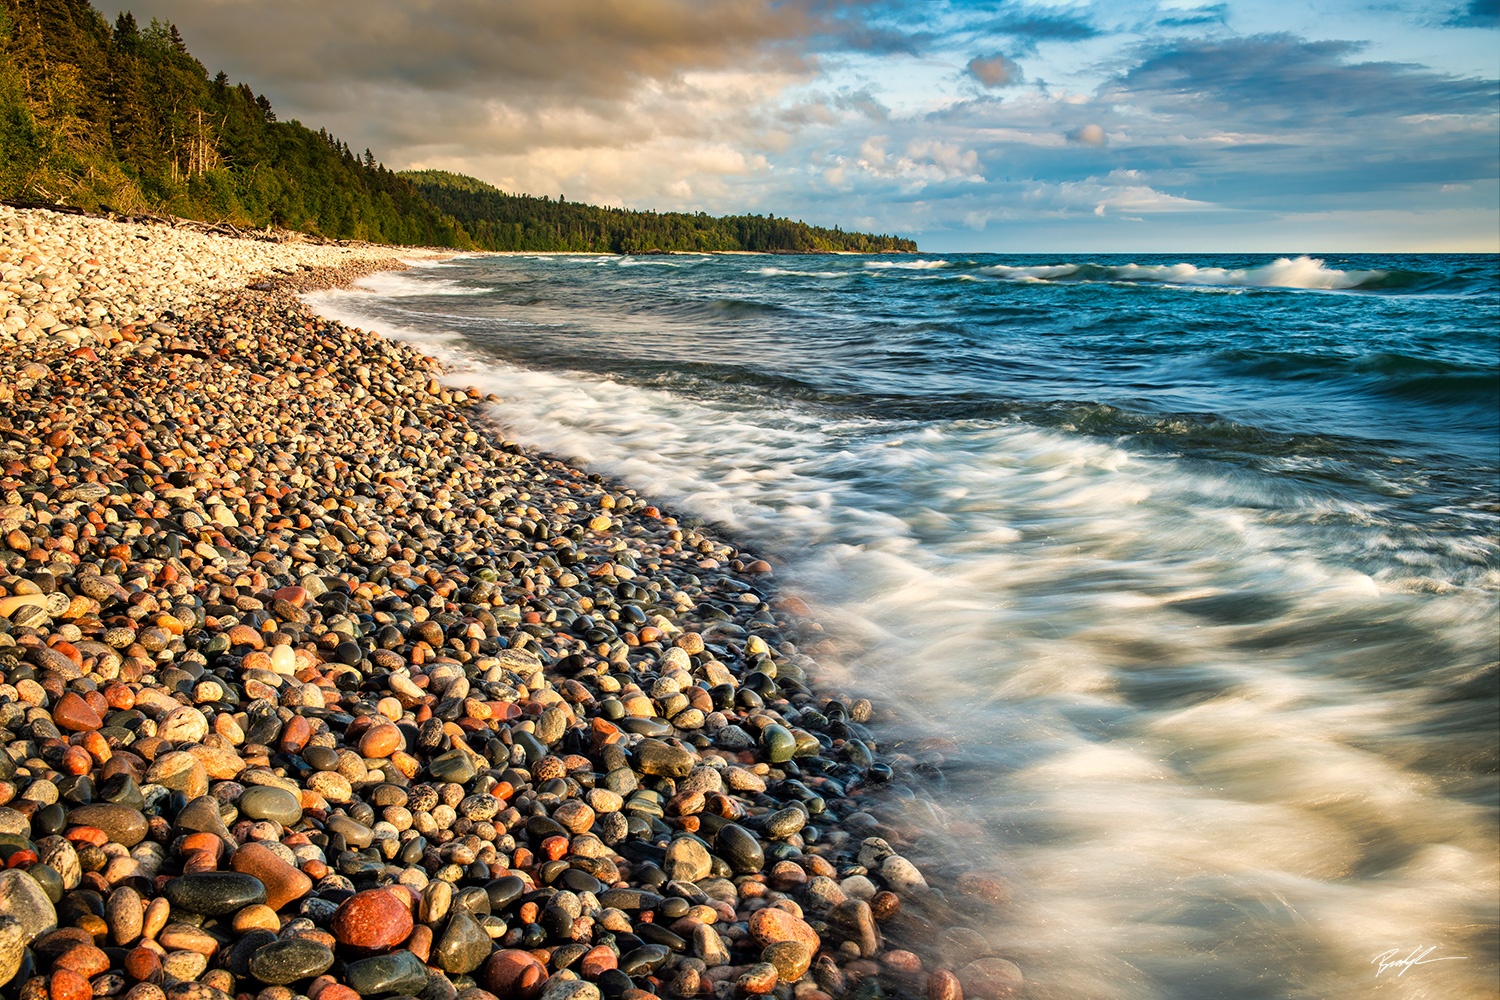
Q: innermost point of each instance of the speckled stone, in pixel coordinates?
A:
(22, 898)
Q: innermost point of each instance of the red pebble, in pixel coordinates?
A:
(84, 959)
(944, 985)
(66, 984)
(511, 972)
(373, 920)
(74, 714)
(597, 960)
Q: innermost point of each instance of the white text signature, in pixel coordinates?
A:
(1418, 956)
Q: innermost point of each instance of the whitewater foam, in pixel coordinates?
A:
(1194, 706)
(1284, 272)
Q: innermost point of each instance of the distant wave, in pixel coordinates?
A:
(774, 272)
(907, 265)
(1284, 272)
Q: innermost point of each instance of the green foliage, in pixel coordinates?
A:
(495, 220)
(124, 118)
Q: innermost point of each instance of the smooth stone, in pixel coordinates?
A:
(652, 756)
(22, 898)
(270, 802)
(244, 950)
(12, 947)
(121, 824)
(452, 766)
(687, 860)
(784, 822)
(740, 848)
(321, 758)
(287, 961)
(355, 834)
(372, 920)
(283, 882)
(777, 743)
(511, 972)
(125, 913)
(770, 925)
(399, 972)
(214, 893)
(74, 714)
(464, 945)
(791, 959)
(991, 979)
(570, 989)
(201, 815)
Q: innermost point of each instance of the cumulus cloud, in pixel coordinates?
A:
(995, 71)
(1088, 135)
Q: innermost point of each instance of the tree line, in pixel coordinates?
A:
(496, 220)
(122, 118)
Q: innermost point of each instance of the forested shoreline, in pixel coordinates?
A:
(496, 220)
(121, 118)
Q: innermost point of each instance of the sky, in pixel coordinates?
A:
(1147, 127)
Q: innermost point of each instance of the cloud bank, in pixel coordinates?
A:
(895, 115)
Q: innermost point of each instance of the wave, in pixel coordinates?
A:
(776, 272)
(399, 285)
(907, 265)
(1284, 272)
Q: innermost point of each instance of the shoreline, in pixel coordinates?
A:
(239, 534)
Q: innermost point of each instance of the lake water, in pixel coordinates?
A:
(1187, 568)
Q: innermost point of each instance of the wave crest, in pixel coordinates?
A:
(1284, 272)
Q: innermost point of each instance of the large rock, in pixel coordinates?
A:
(24, 900)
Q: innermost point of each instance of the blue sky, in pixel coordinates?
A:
(1106, 127)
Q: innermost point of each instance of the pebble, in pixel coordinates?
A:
(289, 960)
(399, 972)
(373, 920)
(308, 679)
(214, 893)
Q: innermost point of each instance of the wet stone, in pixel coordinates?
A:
(214, 893)
(740, 848)
(121, 824)
(463, 946)
(269, 802)
(399, 972)
(652, 756)
(287, 961)
(372, 920)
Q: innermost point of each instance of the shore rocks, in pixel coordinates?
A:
(311, 681)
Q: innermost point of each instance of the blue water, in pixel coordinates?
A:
(1186, 568)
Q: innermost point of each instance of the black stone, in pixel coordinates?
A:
(398, 972)
(214, 893)
(282, 962)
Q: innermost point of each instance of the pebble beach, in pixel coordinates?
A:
(312, 684)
